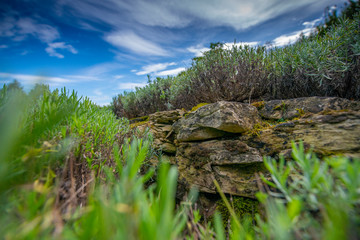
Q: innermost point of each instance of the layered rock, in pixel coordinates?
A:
(216, 120)
(291, 108)
(231, 162)
(327, 133)
(217, 141)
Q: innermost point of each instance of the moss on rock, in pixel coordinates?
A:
(242, 206)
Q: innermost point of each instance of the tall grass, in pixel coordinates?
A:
(325, 64)
(307, 198)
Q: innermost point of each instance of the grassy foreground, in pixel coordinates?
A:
(71, 170)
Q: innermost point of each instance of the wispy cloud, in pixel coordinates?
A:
(25, 52)
(82, 78)
(171, 72)
(118, 76)
(100, 99)
(241, 44)
(28, 79)
(3, 46)
(294, 36)
(51, 49)
(134, 43)
(31, 79)
(101, 69)
(238, 14)
(153, 68)
(130, 85)
(198, 50)
(19, 29)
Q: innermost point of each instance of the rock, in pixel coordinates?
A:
(216, 120)
(291, 108)
(330, 133)
(231, 162)
(212, 143)
(167, 117)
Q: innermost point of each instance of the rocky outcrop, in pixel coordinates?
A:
(231, 162)
(216, 120)
(327, 133)
(292, 108)
(226, 141)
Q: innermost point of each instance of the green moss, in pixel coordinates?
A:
(256, 130)
(243, 206)
(139, 119)
(300, 111)
(196, 108)
(259, 105)
(133, 125)
(331, 112)
(282, 106)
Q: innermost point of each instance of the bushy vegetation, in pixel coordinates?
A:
(50, 139)
(70, 170)
(326, 63)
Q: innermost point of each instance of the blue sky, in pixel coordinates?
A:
(102, 47)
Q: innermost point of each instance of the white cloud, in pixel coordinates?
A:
(130, 41)
(241, 44)
(312, 24)
(28, 79)
(198, 50)
(171, 72)
(3, 46)
(238, 14)
(130, 85)
(82, 78)
(44, 32)
(101, 69)
(118, 76)
(100, 100)
(20, 29)
(98, 92)
(25, 52)
(51, 49)
(294, 36)
(31, 79)
(153, 68)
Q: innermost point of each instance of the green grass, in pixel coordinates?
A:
(307, 198)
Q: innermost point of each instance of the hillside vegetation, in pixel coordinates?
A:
(326, 63)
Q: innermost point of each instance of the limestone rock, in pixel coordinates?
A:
(216, 120)
(329, 133)
(291, 108)
(231, 162)
(161, 140)
(167, 117)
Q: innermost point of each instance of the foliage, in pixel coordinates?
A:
(309, 199)
(324, 64)
(332, 18)
(121, 208)
(243, 208)
(40, 131)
